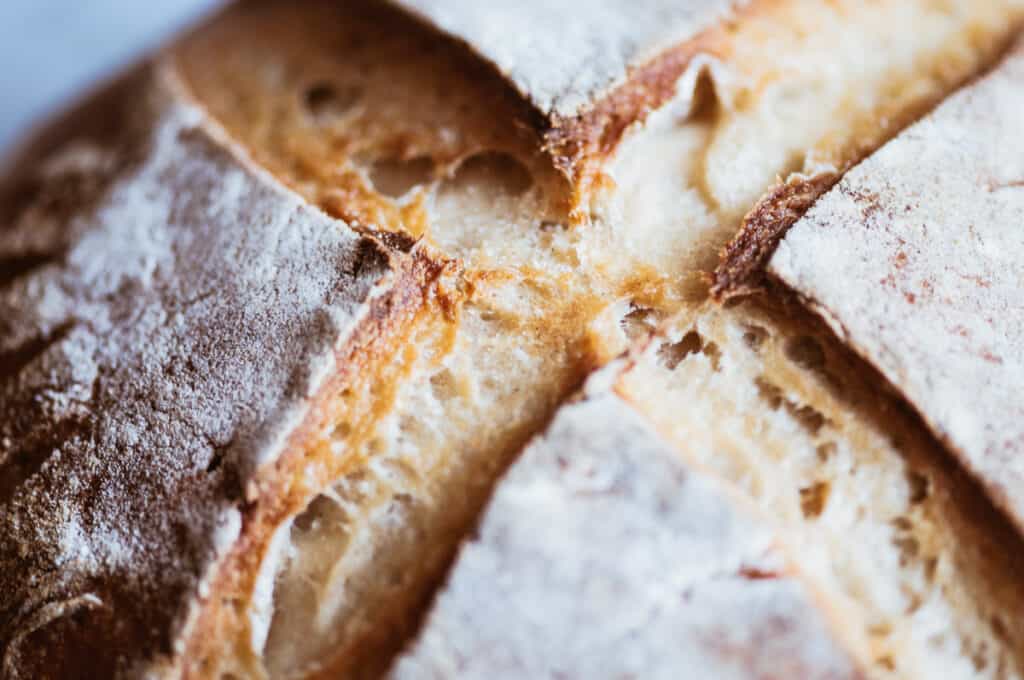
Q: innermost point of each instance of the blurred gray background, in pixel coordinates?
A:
(51, 50)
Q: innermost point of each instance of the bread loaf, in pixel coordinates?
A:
(276, 332)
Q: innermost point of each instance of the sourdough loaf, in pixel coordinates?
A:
(521, 231)
(173, 325)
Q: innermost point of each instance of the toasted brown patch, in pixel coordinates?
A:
(357, 395)
(741, 271)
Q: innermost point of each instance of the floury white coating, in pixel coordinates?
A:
(602, 554)
(563, 56)
(161, 340)
(917, 260)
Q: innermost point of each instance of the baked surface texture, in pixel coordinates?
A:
(601, 516)
(565, 57)
(593, 71)
(166, 316)
(291, 425)
(914, 259)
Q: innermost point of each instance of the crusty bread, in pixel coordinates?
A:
(930, 228)
(602, 554)
(522, 241)
(147, 276)
(920, 570)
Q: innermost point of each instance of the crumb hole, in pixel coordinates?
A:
(769, 392)
(309, 519)
(325, 101)
(826, 450)
(713, 354)
(442, 384)
(880, 629)
(671, 355)
(304, 522)
(376, 446)
(886, 662)
(809, 418)
(919, 487)
(640, 322)
(931, 566)
(396, 177)
(805, 352)
(902, 524)
(909, 548)
(978, 658)
(341, 431)
(705, 98)
(754, 337)
(813, 499)
(999, 628)
(914, 602)
(493, 171)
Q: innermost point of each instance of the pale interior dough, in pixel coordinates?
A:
(800, 86)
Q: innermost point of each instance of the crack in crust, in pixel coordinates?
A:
(152, 374)
(741, 271)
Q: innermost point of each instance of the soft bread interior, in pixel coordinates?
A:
(378, 121)
(917, 569)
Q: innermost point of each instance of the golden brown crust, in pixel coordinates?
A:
(741, 268)
(137, 430)
(332, 167)
(331, 102)
(743, 259)
(580, 145)
(927, 226)
(589, 88)
(357, 393)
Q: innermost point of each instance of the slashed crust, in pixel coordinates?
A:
(600, 515)
(347, 88)
(172, 320)
(592, 72)
(745, 258)
(912, 260)
(326, 144)
(565, 58)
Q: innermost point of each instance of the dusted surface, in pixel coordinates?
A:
(563, 56)
(166, 316)
(602, 554)
(917, 259)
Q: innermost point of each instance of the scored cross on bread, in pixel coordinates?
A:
(508, 218)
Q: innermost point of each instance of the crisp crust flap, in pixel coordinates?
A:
(166, 314)
(916, 259)
(602, 554)
(592, 70)
(565, 57)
